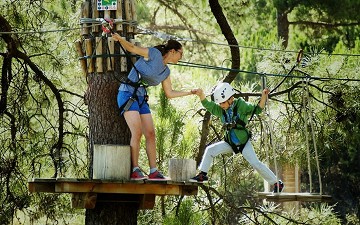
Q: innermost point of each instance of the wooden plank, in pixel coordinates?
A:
(78, 46)
(95, 14)
(128, 15)
(42, 185)
(182, 169)
(112, 161)
(88, 50)
(133, 14)
(123, 61)
(85, 13)
(110, 59)
(127, 188)
(119, 15)
(98, 51)
(302, 197)
(76, 185)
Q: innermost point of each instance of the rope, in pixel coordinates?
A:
(202, 66)
(267, 136)
(314, 142)
(270, 134)
(305, 99)
(272, 142)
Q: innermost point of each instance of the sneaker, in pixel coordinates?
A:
(157, 175)
(137, 175)
(201, 178)
(278, 187)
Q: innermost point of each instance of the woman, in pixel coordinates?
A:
(151, 69)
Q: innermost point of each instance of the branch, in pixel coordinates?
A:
(324, 24)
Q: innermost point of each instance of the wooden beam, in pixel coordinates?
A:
(73, 185)
(42, 185)
(128, 188)
(301, 197)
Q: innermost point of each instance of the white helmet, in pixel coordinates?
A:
(222, 93)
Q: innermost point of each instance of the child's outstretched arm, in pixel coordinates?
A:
(264, 97)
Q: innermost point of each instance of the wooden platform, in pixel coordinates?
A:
(85, 191)
(287, 197)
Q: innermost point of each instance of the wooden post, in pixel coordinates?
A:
(182, 169)
(99, 52)
(85, 14)
(107, 14)
(133, 14)
(292, 185)
(133, 59)
(81, 54)
(123, 61)
(111, 162)
(88, 48)
(110, 59)
(128, 15)
(119, 15)
(95, 14)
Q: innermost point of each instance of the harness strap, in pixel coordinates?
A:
(237, 124)
(237, 148)
(107, 27)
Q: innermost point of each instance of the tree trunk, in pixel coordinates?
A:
(106, 125)
(113, 213)
(283, 26)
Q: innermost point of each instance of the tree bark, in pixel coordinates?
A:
(283, 26)
(107, 126)
(114, 213)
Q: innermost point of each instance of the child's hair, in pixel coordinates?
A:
(171, 44)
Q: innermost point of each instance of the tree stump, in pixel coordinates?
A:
(112, 162)
(182, 169)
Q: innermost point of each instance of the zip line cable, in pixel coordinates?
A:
(161, 35)
(201, 66)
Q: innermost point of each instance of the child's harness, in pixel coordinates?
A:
(235, 123)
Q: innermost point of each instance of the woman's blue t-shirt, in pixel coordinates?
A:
(153, 72)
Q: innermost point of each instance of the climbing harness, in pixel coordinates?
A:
(107, 27)
(234, 123)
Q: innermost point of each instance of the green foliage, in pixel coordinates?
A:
(185, 216)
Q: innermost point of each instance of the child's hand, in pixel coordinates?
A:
(265, 92)
(199, 92)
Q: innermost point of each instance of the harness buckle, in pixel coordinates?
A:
(229, 126)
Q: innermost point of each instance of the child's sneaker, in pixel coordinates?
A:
(278, 187)
(137, 175)
(157, 175)
(201, 178)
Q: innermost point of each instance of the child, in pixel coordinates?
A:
(234, 113)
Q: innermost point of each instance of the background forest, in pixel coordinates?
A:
(315, 111)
